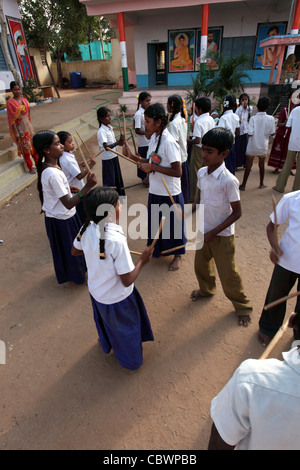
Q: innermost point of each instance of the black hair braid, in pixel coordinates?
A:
(177, 106)
(40, 141)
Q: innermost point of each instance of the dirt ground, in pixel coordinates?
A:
(58, 389)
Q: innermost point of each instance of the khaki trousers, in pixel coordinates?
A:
(286, 171)
(221, 251)
(196, 162)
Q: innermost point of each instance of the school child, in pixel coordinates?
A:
(178, 129)
(75, 174)
(261, 127)
(119, 312)
(229, 120)
(111, 171)
(280, 144)
(202, 125)
(286, 258)
(144, 100)
(163, 160)
(215, 115)
(192, 119)
(59, 206)
(219, 190)
(292, 154)
(244, 112)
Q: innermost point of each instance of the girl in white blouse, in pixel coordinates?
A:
(59, 201)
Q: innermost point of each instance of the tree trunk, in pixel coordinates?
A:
(59, 71)
(5, 46)
(50, 73)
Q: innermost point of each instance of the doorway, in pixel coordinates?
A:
(158, 64)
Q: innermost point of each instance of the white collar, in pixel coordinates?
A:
(216, 173)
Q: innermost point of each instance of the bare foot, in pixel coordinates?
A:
(244, 320)
(263, 339)
(275, 171)
(261, 186)
(32, 171)
(175, 263)
(195, 295)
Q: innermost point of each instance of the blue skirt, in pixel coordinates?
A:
(143, 153)
(230, 160)
(174, 228)
(123, 327)
(185, 182)
(61, 234)
(112, 176)
(240, 149)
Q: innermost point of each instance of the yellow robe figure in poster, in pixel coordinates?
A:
(181, 58)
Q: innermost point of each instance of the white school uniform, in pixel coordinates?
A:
(288, 209)
(258, 409)
(218, 190)
(294, 123)
(139, 123)
(203, 124)
(55, 185)
(104, 280)
(71, 169)
(106, 134)
(229, 120)
(178, 129)
(169, 152)
(261, 127)
(243, 115)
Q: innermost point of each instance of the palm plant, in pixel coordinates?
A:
(227, 78)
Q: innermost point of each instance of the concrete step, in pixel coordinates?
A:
(129, 98)
(11, 170)
(15, 186)
(13, 175)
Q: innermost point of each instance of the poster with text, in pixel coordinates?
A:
(181, 50)
(20, 46)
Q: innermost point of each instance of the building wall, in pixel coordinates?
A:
(238, 20)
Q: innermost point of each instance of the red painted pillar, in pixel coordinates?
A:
(121, 26)
(295, 27)
(204, 32)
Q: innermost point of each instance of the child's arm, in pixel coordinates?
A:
(194, 141)
(76, 252)
(128, 153)
(275, 252)
(175, 170)
(128, 278)
(85, 170)
(233, 217)
(71, 201)
(115, 144)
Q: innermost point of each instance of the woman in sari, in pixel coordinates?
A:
(20, 128)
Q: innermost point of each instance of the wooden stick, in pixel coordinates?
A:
(123, 156)
(119, 123)
(275, 340)
(275, 225)
(124, 124)
(179, 212)
(170, 250)
(282, 299)
(276, 109)
(162, 221)
(133, 140)
(86, 148)
(99, 153)
(83, 157)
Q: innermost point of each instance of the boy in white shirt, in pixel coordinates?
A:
(287, 264)
(292, 154)
(219, 190)
(202, 125)
(261, 127)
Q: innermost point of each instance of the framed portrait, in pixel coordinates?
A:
(20, 47)
(182, 50)
(214, 40)
(263, 56)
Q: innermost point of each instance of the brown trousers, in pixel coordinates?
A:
(221, 251)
